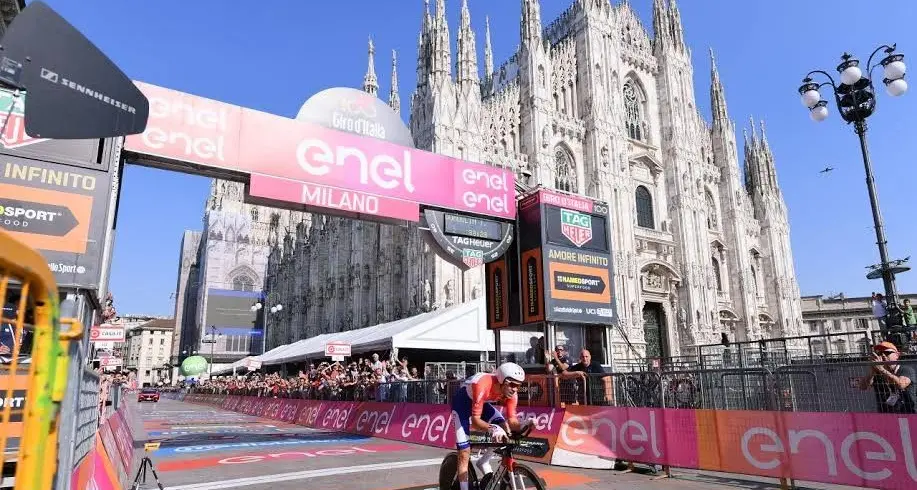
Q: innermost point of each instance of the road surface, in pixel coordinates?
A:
(205, 448)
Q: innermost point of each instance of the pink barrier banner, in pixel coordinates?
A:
(599, 435)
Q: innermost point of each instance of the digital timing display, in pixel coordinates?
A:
(473, 227)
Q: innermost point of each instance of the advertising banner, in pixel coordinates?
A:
(496, 283)
(60, 211)
(183, 128)
(532, 286)
(579, 285)
(350, 204)
(15, 141)
(859, 449)
(107, 332)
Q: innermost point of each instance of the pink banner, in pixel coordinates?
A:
(632, 434)
(187, 128)
(349, 203)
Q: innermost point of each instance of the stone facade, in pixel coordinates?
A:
(843, 322)
(591, 104)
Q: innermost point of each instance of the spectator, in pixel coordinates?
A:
(560, 361)
(878, 309)
(893, 383)
(910, 318)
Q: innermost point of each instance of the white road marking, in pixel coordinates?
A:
(302, 475)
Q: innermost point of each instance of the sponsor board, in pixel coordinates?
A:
(331, 200)
(355, 111)
(14, 140)
(107, 332)
(579, 285)
(496, 279)
(532, 286)
(58, 210)
(194, 130)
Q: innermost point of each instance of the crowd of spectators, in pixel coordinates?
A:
(369, 379)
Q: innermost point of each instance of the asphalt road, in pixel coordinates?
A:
(204, 448)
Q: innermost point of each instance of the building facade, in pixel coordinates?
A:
(148, 350)
(593, 105)
(845, 322)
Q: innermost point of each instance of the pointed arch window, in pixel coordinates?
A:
(644, 201)
(564, 170)
(634, 116)
(717, 277)
(254, 212)
(712, 217)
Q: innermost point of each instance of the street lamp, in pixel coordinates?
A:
(213, 340)
(855, 97)
(260, 307)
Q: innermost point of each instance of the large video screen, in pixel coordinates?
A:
(231, 311)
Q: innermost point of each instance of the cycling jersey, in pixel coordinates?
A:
(473, 399)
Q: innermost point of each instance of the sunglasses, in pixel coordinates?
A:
(514, 385)
(888, 352)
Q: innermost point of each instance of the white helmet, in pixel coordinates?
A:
(510, 370)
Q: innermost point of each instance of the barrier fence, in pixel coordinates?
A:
(871, 450)
(813, 387)
(110, 460)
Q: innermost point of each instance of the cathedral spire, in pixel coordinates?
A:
(769, 170)
(424, 48)
(530, 28)
(488, 50)
(717, 96)
(678, 31)
(394, 100)
(370, 83)
(466, 61)
(660, 25)
(442, 53)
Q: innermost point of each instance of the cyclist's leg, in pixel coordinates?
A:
(461, 420)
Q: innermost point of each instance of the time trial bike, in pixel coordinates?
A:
(508, 475)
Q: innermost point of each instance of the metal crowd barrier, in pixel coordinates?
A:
(812, 387)
(33, 370)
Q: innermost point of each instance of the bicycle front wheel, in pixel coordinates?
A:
(525, 477)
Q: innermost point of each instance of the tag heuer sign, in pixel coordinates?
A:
(472, 258)
(468, 241)
(12, 120)
(576, 226)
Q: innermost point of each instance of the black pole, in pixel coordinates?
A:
(888, 278)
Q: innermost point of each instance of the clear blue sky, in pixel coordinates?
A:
(763, 49)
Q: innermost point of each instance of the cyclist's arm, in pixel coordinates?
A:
(479, 392)
(512, 420)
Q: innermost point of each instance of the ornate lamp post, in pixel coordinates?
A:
(260, 307)
(855, 97)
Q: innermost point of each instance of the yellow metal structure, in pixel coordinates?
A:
(25, 277)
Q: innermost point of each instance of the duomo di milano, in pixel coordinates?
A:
(591, 104)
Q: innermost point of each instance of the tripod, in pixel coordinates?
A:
(140, 479)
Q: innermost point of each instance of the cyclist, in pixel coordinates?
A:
(471, 408)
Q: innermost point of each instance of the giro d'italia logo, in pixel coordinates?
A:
(12, 121)
(577, 227)
(472, 258)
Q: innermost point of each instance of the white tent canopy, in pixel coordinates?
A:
(459, 328)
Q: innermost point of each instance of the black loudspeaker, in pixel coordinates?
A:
(73, 91)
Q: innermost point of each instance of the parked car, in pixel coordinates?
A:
(148, 395)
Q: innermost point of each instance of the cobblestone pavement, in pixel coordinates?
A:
(204, 448)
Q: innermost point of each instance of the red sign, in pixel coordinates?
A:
(351, 203)
(186, 128)
(337, 350)
(107, 332)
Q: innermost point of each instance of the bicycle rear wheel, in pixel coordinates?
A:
(448, 473)
(530, 479)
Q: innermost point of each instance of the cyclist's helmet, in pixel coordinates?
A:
(511, 371)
